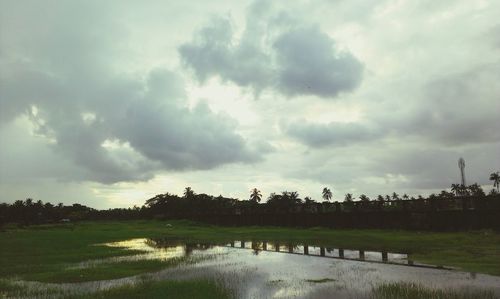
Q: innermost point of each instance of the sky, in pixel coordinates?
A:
(108, 103)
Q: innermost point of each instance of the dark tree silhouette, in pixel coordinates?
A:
(463, 190)
(363, 197)
(348, 197)
(495, 177)
(255, 196)
(456, 189)
(189, 193)
(327, 194)
(476, 190)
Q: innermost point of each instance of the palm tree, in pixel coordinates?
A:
(463, 190)
(294, 195)
(255, 196)
(380, 198)
(188, 193)
(495, 177)
(395, 196)
(455, 188)
(364, 197)
(348, 197)
(476, 190)
(405, 196)
(327, 194)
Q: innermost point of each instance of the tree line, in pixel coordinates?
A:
(167, 205)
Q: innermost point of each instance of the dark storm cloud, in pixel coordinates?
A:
(332, 134)
(275, 51)
(118, 127)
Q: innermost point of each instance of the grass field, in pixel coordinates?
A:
(415, 291)
(42, 253)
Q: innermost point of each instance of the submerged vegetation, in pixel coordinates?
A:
(171, 289)
(165, 289)
(403, 290)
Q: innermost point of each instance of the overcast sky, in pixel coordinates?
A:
(108, 103)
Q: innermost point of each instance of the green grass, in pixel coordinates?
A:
(103, 271)
(48, 249)
(165, 289)
(9, 289)
(416, 291)
(161, 289)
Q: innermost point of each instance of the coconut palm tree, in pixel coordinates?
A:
(455, 188)
(348, 197)
(364, 197)
(255, 196)
(188, 193)
(327, 194)
(495, 177)
(476, 190)
(463, 190)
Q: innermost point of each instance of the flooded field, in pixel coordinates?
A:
(251, 269)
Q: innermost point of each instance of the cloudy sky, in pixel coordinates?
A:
(108, 103)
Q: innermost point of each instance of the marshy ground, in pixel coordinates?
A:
(150, 259)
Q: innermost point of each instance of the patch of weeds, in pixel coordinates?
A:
(16, 289)
(105, 271)
(164, 289)
(404, 290)
(275, 282)
(322, 280)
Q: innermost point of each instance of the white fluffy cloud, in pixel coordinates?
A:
(274, 52)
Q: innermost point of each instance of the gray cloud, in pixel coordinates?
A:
(332, 134)
(61, 71)
(458, 109)
(309, 63)
(275, 52)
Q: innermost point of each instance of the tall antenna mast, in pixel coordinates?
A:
(461, 165)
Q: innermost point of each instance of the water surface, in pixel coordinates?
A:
(273, 270)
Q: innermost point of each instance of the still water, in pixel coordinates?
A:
(273, 270)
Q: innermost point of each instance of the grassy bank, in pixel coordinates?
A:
(193, 289)
(40, 251)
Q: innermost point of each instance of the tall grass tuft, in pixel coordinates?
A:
(405, 290)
